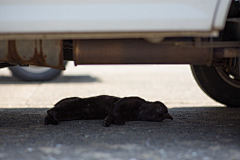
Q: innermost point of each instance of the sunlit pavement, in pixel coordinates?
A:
(172, 84)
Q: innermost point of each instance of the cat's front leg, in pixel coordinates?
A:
(109, 119)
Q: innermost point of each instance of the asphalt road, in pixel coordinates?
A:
(202, 129)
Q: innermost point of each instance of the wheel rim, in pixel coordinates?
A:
(231, 79)
(35, 69)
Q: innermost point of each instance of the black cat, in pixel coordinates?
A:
(115, 110)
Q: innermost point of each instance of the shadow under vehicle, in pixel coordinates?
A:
(204, 34)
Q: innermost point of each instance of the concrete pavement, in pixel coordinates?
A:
(202, 129)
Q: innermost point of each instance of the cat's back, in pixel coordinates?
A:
(134, 99)
(69, 99)
(103, 99)
(99, 103)
(67, 103)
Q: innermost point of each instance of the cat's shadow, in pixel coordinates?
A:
(181, 117)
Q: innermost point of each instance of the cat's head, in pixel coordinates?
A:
(154, 111)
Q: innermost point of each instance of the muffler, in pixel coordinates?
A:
(137, 51)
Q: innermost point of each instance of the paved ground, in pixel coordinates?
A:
(201, 129)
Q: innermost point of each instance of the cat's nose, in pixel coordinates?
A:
(167, 116)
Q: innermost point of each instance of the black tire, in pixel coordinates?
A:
(218, 85)
(35, 74)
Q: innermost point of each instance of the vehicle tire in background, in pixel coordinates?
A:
(34, 73)
(218, 84)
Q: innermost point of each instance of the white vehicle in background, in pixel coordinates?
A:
(202, 33)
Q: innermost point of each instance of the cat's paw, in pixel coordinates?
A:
(108, 120)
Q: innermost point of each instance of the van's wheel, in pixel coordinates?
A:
(34, 73)
(220, 83)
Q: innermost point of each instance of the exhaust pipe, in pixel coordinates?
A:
(137, 51)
